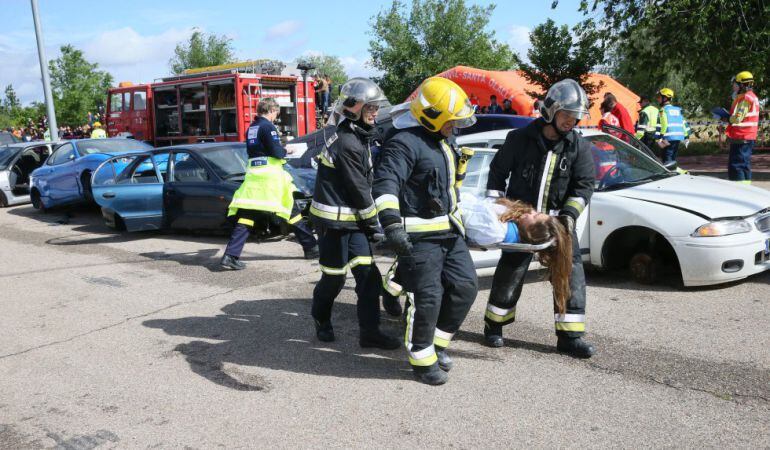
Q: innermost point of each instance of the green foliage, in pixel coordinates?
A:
(78, 86)
(12, 114)
(699, 44)
(328, 65)
(555, 55)
(201, 50)
(409, 45)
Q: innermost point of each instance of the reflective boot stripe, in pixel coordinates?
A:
(423, 358)
(442, 338)
(496, 314)
(334, 270)
(295, 219)
(247, 222)
(570, 322)
(390, 286)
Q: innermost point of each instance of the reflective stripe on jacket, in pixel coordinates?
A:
(746, 128)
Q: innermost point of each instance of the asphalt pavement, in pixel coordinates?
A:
(118, 340)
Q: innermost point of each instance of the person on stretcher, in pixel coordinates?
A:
(505, 221)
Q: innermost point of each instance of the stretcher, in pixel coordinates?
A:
(518, 247)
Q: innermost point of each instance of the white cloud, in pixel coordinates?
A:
(518, 40)
(125, 46)
(282, 30)
(357, 66)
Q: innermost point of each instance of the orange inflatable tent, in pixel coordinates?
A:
(512, 85)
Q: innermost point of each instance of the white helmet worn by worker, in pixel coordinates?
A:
(566, 95)
(356, 93)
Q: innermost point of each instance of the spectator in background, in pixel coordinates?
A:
(493, 107)
(507, 108)
(608, 118)
(475, 102)
(323, 88)
(320, 87)
(330, 87)
(620, 112)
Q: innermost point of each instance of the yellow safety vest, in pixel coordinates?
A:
(267, 187)
(98, 133)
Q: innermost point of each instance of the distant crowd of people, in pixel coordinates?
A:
(494, 107)
(37, 130)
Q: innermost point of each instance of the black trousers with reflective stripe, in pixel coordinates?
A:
(240, 234)
(442, 280)
(341, 250)
(509, 280)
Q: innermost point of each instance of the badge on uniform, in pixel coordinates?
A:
(253, 132)
(331, 140)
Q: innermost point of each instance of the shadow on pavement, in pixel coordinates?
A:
(278, 334)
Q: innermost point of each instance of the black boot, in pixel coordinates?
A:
(445, 363)
(575, 347)
(324, 331)
(431, 375)
(391, 305)
(312, 252)
(493, 335)
(378, 339)
(231, 262)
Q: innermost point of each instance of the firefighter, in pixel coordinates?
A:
(549, 165)
(98, 132)
(345, 215)
(268, 188)
(415, 189)
(673, 127)
(647, 127)
(743, 127)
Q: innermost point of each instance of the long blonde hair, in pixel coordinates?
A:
(556, 258)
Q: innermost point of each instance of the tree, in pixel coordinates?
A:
(11, 100)
(555, 55)
(432, 36)
(328, 65)
(703, 42)
(78, 86)
(201, 50)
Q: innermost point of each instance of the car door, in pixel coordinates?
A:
(131, 187)
(194, 198)
(61, 180)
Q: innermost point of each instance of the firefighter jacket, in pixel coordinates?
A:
(267, 186)
(343, 187)
(416, 183)
(554, 181)
(673, 127)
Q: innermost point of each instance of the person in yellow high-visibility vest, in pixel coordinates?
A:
(98, 132)
(268, 188)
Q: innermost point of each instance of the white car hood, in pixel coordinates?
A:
(708, 197)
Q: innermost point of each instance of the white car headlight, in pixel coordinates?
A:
(722, 228)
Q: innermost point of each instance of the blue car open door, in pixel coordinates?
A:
(130, 188)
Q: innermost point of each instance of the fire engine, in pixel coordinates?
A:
(209, 104)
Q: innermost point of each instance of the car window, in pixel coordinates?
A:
(140, 101)
(227, 162)
(188, 170)
(121, 169)
(161, 161)
(617, 162)
(64, 154)
(6, 156)
(143, 171)
(91, 146)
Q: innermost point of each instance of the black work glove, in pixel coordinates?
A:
(398, 239)
(568, 222)
(371, 228)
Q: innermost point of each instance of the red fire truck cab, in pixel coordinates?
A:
(207, 105)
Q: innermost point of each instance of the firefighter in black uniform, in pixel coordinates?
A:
(548, 165)
(414, 188)
(345, 215)
(267, 188)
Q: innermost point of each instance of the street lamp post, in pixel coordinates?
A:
(52, 128)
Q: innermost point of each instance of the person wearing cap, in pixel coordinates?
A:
(415, 190)
(345, 216)
(549, 165)
(673, 127)
(743, 127)
(98, 132)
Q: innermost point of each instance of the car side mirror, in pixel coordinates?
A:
(671, 165)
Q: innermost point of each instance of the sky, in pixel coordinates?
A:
(133, 40)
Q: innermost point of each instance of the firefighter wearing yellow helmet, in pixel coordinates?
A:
(98, 132)
(415, 191)
(743, 128)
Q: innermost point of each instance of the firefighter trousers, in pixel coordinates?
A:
(246, 220)
(440, 282)
(340, 251)
(507, 284)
